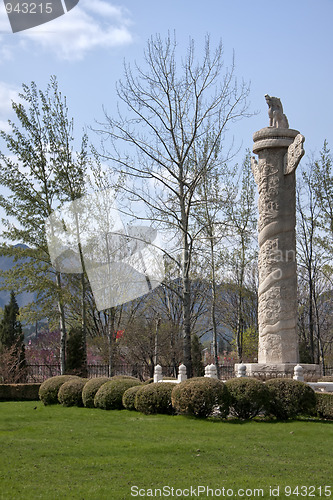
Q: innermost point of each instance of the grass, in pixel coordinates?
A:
(52, 452)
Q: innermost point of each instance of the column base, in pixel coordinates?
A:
(265, 371)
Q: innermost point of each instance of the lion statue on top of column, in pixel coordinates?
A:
(277, 118)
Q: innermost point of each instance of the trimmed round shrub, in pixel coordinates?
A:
(48, 391)
(155, 398)
(200, 396)
(70, 393)
(109, 396)
(90, 389)
(129, 397)
(289, 398)
(324, 407)
(248, 397)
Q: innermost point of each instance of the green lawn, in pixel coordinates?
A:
(52, 452)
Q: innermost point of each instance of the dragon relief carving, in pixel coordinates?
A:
(294, 154)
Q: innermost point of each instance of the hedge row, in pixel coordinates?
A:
(324, 405)
(70, 390)
(202, 397)
(289, 398)
(19, 392)
(155, 398)
(90, 389)
(129, 397)
(48, 391)
(70, 393)
(110, 395)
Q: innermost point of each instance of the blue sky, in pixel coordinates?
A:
(283, 48)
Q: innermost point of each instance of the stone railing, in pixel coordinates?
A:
(211, 372)
(321, 386)
(158, 377)
(298, 375)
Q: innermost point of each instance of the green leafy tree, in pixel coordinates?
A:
(250, 345)
(70, 174)
(40, 168)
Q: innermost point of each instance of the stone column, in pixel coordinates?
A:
(275, 176)
(279, 151)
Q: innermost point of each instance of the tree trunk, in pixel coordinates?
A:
(158, 322)
(213, 307)
(320, 348)
(84, 325)
(311, 322)
(240, 320)
(111, 338)
(239, 335)
(187, 358)
(62, 322)
(83, 297)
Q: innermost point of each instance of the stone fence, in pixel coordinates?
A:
(210, 371)
(298, 375)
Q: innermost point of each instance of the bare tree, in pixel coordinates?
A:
(214, 195)
(242, 216)
(314, 238)
(170, 106)
(309, 254)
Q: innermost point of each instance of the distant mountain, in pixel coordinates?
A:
(23, 299)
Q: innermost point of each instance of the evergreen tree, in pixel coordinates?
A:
(196, 351)
(12, 341)
(75, 352)
(10, 326)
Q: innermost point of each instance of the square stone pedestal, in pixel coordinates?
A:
(279, 370)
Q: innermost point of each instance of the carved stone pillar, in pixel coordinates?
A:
(275, 176)
(279, 151)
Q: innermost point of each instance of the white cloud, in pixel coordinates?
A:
(8, 93)
(5, 127)
(105, 9)
(89, 25)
